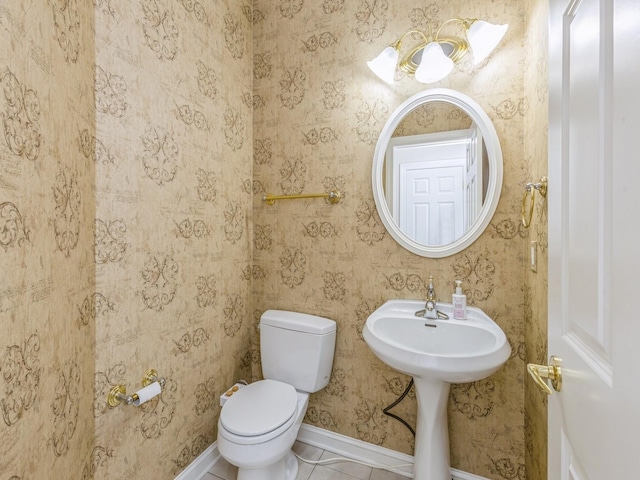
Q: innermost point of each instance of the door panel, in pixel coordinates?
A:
(594, 232)
(430, 202)
(473, 178)
(588, 153)
(570, 468)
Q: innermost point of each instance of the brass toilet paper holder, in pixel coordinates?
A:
(118, 393)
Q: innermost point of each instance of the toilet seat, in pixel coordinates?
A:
(258, 412)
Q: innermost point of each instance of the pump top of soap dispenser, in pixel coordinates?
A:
(458, 287)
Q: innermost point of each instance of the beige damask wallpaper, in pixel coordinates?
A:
(318, 113)
(173, 156)
(536, 138)
(138, 138)
(125, 227)
(47, 212)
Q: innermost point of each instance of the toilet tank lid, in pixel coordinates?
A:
(300, 322)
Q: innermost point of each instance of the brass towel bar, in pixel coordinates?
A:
(530, 190)
(334, 197)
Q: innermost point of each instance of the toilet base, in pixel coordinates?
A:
(284, 469)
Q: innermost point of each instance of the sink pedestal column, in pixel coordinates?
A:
(431, 455)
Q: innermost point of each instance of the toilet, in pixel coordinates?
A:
(259, 423)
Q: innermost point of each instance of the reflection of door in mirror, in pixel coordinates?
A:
(473, 181)
(443, 149)
(434, 183)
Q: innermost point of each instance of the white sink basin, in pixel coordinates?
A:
(436, 353)
(454, 351)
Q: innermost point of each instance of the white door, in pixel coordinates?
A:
(473, 179)
(425, 186)
(594, 239)
(425, 147)
(430, 201)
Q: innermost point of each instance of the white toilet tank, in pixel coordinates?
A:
(297, 348)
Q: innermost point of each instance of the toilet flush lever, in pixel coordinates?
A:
(552, 372)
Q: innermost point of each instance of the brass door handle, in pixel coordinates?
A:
(552, 372)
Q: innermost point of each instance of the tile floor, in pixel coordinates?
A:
(334, 471)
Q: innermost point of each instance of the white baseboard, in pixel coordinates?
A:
(366, 452)
(198, 469)
(334, 442)
(356, 449)
(460, 475)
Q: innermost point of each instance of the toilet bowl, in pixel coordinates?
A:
(259, 423)
(257, 428)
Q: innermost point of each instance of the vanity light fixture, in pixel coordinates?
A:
(432, 56)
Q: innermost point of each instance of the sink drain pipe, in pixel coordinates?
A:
(400, 398)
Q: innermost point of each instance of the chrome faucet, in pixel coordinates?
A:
(430, 308)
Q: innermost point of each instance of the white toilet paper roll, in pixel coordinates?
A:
(147, 393)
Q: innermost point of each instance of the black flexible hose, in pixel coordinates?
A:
(401, 420)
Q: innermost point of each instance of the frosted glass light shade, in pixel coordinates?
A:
(483, 37)
(384, 65)
(434, 66)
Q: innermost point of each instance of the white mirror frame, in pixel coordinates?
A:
(494, 152)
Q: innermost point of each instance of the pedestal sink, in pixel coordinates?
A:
(436, 353)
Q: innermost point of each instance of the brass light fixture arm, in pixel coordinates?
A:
(398, 43)
(483, 35)
(466, 23)
(458, 45)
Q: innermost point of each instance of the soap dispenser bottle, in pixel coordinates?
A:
(459, 301)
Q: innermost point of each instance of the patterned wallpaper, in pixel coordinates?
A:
(47, 214)
(318, 113)
(173, 230)
(125, 226)
(536, 285)
(133, 233)
(432, 118)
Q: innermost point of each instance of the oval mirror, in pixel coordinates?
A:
(437, 173)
